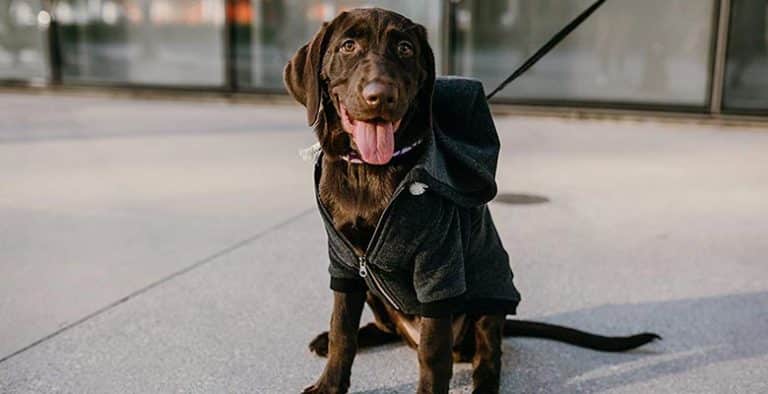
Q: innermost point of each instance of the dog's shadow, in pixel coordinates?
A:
(697, 333)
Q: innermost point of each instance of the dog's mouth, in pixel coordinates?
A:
(374, 138)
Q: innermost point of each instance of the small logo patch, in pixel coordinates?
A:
(417, 188)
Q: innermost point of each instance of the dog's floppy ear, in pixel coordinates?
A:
(302, 73)
(427, 61)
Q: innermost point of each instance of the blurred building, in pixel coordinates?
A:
(672, 55)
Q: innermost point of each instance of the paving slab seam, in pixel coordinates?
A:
(161, 281)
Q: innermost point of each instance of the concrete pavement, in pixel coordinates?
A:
(151, 246)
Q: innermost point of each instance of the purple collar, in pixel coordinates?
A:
(354, 158)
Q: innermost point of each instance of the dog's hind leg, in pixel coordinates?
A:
(342, 343)
(380, 332)
(383, 315)
(486, 362)
(370, 335)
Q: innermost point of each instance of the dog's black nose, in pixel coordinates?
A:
(377, 93)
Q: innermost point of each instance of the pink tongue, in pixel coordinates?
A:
(375, 141)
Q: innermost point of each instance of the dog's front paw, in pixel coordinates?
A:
(319, 345)
(315, 389)
(322, 388)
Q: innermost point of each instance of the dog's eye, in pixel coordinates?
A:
(348, 46)
(405, 49)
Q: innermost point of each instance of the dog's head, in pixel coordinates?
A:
(366, 79)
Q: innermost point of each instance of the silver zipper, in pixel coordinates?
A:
(379, 286)
(363, 270)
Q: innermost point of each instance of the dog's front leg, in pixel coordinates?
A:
(487, 360)
(342, 343)
(435, 362)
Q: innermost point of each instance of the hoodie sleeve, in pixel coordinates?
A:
(439, 277)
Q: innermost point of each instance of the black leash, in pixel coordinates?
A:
(548, 46)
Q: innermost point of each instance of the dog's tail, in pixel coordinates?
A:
(532, 329)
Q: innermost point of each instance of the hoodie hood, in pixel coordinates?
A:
(460, 160)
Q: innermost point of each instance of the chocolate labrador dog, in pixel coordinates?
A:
(428, 262)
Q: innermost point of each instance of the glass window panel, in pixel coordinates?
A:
(746, 82)
(649, 52)
(22, 40)
(163, 42)
(280, 27)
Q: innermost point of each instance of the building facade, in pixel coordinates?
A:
(706, 56)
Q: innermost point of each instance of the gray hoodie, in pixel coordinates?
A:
(435, 250)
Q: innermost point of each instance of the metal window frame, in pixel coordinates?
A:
(724, 109)
(448, 35)
(54, 52)
(722, 24)
(230, 44)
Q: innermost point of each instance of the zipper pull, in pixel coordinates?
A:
(363, 271)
